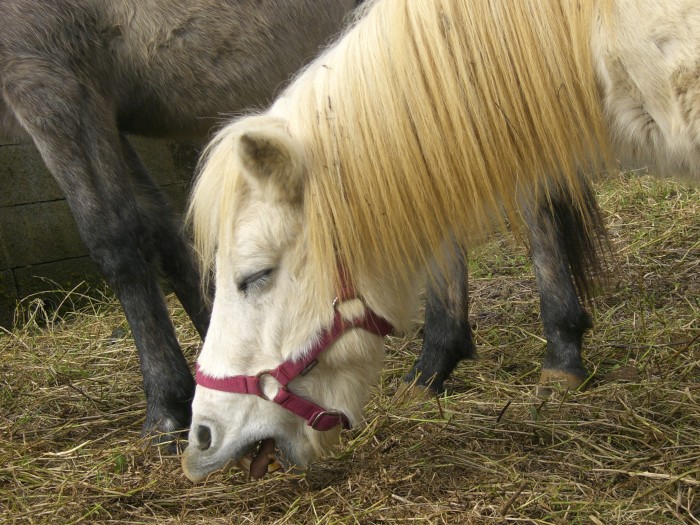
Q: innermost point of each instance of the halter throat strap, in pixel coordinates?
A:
(315, 416)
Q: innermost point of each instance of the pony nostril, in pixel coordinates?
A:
(203, 437)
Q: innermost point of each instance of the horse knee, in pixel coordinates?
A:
(122, 251)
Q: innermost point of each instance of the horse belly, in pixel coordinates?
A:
(649, 70)
(185, 65)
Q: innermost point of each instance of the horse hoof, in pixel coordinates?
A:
(409, 392)
(549, 379)
(166, 436)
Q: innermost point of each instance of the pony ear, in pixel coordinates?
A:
(272, 160)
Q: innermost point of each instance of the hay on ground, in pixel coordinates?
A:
(624, 451)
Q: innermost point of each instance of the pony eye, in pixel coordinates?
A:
(254, 280)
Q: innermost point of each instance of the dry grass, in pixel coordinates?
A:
(626, 450)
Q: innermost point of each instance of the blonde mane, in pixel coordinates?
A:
(428, 119)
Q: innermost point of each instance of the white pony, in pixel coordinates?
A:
(425, 121)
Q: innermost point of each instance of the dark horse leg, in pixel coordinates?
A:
(176, 259)
(447, 336)
(566, 256)
(75, 131)
(569, 247)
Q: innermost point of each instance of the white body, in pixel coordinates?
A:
(648, 70)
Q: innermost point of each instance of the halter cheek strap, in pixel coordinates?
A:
(315, 416)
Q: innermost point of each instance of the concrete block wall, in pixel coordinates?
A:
(39, 243)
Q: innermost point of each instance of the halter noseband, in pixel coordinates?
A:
(315, 416)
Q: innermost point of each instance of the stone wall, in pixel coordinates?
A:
(39, 244)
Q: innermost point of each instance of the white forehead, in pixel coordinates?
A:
(261, 232)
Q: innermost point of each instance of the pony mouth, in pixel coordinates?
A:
(263, 459)
(257, 460)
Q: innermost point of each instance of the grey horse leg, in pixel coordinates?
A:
(73, 129)
(175, 255)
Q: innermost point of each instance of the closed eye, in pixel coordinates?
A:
(254, 280)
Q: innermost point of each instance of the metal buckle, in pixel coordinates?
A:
(258, 377)
(334, 413)
(308, 367)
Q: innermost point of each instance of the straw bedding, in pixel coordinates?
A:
(625, 450)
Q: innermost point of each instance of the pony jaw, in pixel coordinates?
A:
(231, 440)
(238, 422)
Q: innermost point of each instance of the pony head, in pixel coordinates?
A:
(270, 310)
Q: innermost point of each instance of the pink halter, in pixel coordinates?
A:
(315, 416)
